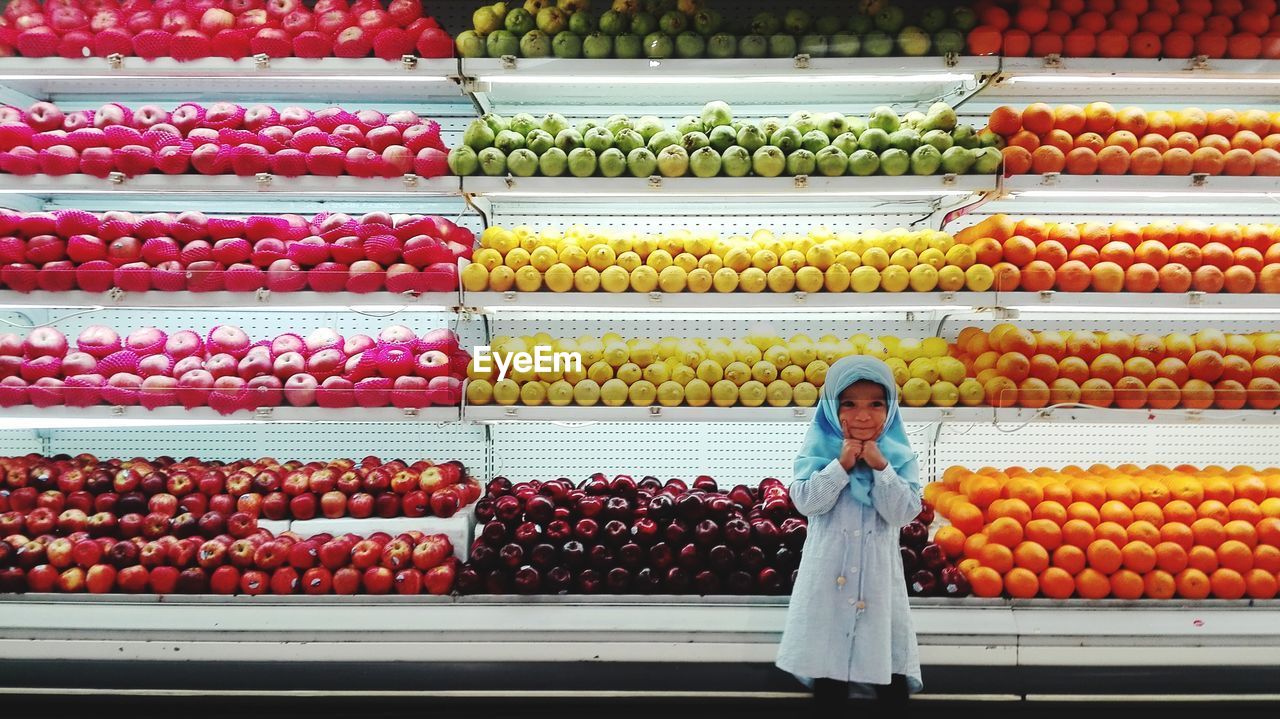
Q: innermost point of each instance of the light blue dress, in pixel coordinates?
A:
(849, 617)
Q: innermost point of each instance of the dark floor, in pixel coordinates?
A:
(381, 708)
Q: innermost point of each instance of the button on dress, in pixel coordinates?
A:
(849, 617)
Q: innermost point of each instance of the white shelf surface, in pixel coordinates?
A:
(1150, 83)
(284, 79)
(32, 418)
(1007, 417)
(751, 86)
(879, 301)
(504, 629)
(845, 190)
(457, 528)
(261, 300)
(1195, 195)
(156, 183)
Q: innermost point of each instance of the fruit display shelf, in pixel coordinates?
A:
(997, 302)
(1193, 195)
(31, 418)
(1125, 80)
(260, 300)
(419, 81)
(1005, 417)
(540, 84)
(690, 644)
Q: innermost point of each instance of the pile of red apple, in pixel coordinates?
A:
(623, 536)
(926, 568)
(234, 29)
(221, 139)
(229, 372)
(155, 498)
(332, 252)
(257, 563)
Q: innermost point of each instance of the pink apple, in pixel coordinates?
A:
(44, 116)
(216, 20)
(300, 390)
(289, 364)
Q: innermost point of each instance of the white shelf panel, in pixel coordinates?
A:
(866, 302)
(679, 86)
(846, 190)
(1002, 416)
(1145, 194)
(457, 528)
(734, 630)
(1150, 83)
(214, 185)
(284, 79)
(261, 300)
(29, 417)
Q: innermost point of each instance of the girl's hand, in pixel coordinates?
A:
(850, 452)
(871, 455)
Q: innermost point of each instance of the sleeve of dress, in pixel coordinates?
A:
(819, 493)
(895, 499)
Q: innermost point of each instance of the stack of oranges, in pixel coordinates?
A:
(1098, 139)
(1034, 255)
(1241, 29)
(1018, 367)
(1122, 532)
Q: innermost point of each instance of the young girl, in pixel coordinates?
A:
(857, 481)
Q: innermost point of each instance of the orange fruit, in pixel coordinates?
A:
(966, 517)
(1126, 584)
(1005, 531)
(996, 556)
(1159, 585)
(1208, 532)
(1057, 583)
(973, 544)
(1170, 557)
(1192, 584)
(1100, 117)
(1236, 555)
(1268, 530)
(1227, 584)
(1045, 533)
(986, 582)
(1038, 118)
(1069, 558)
(1032, 556)
(1267, 558)
(1092, 584)
(1203, 558)
(1005, 121)
(1181, 511)
(1143, 531)
(1260, 584)
(1103, 555)
(950, 539)
(1052, 509)
(1078, 533)
(1241, 531)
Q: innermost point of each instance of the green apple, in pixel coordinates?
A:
(860, 24)
(828, 25)
(597, 46)
(553, 123)
(522, 123)
(926, 160)
(689, 123)
(905, 139)
(801, 162)
(863, 163)
(519, 21)
(723, 137)
(502, 43)
(648, 126)
(673, 23)
(815, 140)
(662, 140)
(691, 141)
(786, 139)
(641, 162)
(535, 43)
(614, 23)
(895, 161)
(735, 161)
(987, 161)
(890, 19)
(582, 23)
(765, 24)
(553, 162)
(582, 162)
(612, 162)
(933, 18)
(463, 161)
(627, 140)
(522, 163)
(478, 135)
(843, 44)
(628, 46)
(598, 139)
(658, 46)
(751, 137)
(722, 45)
(705, 162)
(753, 46)
(567, 45)
(673, 161)
(508, 141)
(874, 139)
(552, 20)
(643, 24)
(569, 140)
(539, 141)
(884, 118)
(707, 22)
(782, 45)
(493, 162)
(939, 139)
(690, 44)
(846, 142)
(958, 160)
(832, 161)
(877, 44)
(914, 42)
(796, 22)
(813, 45)
(768, 161)
(948, 41)
(496, 122)
(470, 44)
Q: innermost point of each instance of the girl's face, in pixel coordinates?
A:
(863, 410)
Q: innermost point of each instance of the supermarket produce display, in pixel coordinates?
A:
(1099, 139)
(221, 139)
(713, 144)
(229, 372)
(697, 29)
(190, 251)
(1123, 532)
(646, 536)
(1039, 182)
(223, 29)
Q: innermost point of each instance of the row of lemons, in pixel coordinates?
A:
(579, 259)
(760, 368)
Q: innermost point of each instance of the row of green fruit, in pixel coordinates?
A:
(661, 29)
(713, 144)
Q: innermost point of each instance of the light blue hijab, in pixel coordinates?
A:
(825, 438)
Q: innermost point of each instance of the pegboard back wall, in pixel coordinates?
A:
(1160, 324)
(283, 442)
(732, 453)
(1058, 445)
(15, 442)
(698, 221)
(259, 325)
(732, 325)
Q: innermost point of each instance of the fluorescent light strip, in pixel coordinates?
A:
(1189, 192)
(1143, 79)
(399, 78)
(789, 79)
(666, 193)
